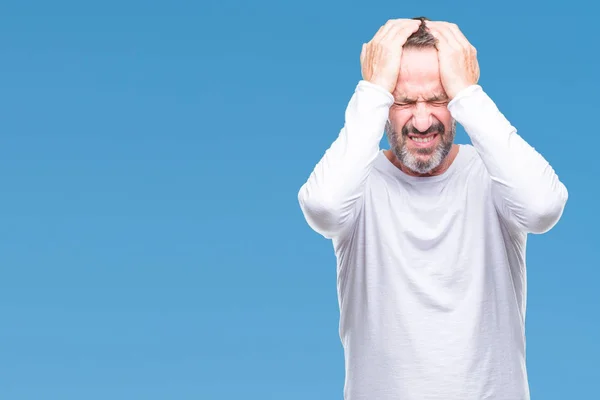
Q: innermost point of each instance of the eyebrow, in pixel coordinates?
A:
(435, 97)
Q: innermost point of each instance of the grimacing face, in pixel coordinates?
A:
(420, 129)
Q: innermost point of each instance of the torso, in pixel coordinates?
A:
(431, 286)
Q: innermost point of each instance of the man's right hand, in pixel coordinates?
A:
(380, 58)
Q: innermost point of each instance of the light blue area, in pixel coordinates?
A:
(152, 246)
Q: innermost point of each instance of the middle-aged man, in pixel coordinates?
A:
(429, 235)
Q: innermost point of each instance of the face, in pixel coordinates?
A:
(420, 128)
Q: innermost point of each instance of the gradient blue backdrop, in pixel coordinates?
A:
(151, 243)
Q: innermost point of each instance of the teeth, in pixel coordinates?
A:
(422, 140)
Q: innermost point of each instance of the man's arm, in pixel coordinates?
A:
(333, 194)
(527, 191)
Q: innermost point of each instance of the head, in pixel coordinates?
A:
(420, 128)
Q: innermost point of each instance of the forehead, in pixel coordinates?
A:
(419, 74)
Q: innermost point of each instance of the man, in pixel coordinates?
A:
(429, 235)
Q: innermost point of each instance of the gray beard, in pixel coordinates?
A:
(410, 159)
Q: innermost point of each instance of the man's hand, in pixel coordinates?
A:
(458, 58)
(380, 58)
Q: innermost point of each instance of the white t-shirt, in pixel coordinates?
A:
(431, 271)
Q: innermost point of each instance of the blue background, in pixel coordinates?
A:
(151, 243)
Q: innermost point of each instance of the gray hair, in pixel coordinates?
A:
(422, 38)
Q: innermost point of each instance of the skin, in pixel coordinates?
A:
(420, 110)
(422, 82)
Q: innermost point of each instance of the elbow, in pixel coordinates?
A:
(320, 213)
(545, 213)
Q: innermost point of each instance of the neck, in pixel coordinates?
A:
(440, 169)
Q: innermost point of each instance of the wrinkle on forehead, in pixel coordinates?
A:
(427, 92)
(419, 77)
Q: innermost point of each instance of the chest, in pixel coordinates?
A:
(439, 217)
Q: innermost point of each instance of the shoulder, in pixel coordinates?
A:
(469, 173)
(470, 161)
(468, 156)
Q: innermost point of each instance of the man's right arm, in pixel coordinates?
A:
(333, 194)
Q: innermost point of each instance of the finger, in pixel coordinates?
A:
(402, 30)
(384, 30)
(432, 27)
(444, 36)
(435, 32)
(453, 35)
(449, 39)
(460, 37)
(447, 31)
(456, 32)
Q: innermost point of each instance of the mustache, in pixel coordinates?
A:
(436, 127)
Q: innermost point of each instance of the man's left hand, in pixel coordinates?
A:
(458, 58)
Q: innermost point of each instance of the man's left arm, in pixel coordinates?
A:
(526, 189)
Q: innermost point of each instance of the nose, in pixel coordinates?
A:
(422, 118)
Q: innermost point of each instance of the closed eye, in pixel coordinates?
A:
(403, 104)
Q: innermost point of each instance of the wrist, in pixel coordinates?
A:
(463, 93)
(376, 90)
(458, 88)
(382, 83)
